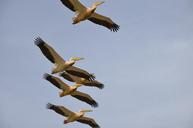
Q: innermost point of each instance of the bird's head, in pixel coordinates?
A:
(73, 60)
(95, 5)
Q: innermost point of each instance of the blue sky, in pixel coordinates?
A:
(146, 66)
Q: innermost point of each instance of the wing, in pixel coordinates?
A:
(56, 81)
(89, 121)
(60, 110)
(85, 97)
(76, 79)
(48, 51)
(67, 76)
(74, 5)
(94, 83)
(80, 73)
(104, 21)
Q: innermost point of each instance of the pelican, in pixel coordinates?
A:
(72, 116)
(80, 80)
(70, 90)
(83, 13)
(60, 63)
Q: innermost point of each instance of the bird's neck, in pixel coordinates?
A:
(76, 86)
(70, 62)
(92, 8)
(81, 113)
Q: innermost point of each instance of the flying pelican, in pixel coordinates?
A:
(80, 80)
(72, 116)
(83, 13)
(60, 63)
(70, 90)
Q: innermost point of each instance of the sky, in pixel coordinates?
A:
(146, 66)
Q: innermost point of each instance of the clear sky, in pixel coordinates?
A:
(147, 67)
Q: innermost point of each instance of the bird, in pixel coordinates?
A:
(70, 90)
(72, 116)
(60, 64)
(80, 80)
(83, 13)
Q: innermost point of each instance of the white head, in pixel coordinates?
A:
(95, 5)
(73, 60)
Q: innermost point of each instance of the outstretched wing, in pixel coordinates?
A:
(68, 77)
(80, 73)
(60, 110)
(56, 81)
(104, 21)
(76, 79)
(94, 83)
(85, 97)
(89, 121)
(48, 51)
(74, 5)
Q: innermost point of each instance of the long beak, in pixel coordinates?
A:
(99, 3)
(77, 58)
(86, 110)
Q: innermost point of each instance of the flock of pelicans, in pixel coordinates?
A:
(68, 71)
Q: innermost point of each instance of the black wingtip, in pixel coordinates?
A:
(49, 105)
(95, 104)
(38, 41)
(101, 86)
(46, 76)
(92, 77)
(97, 126)
(115, 28)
